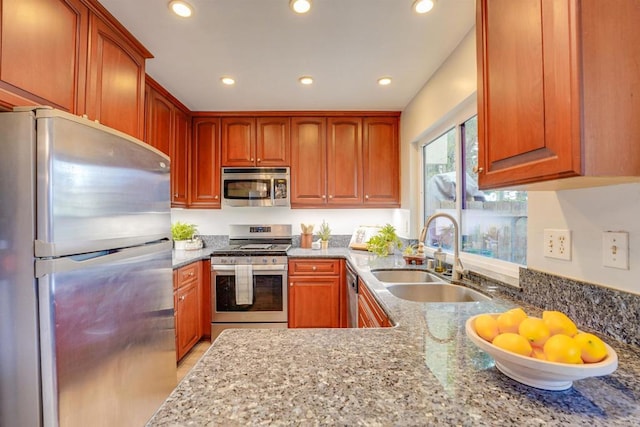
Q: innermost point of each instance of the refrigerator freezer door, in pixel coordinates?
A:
(96, 188)
(107, 337)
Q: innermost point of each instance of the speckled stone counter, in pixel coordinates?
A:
(424, 371)
(182, 258)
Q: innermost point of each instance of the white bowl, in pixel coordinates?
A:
(540, 373)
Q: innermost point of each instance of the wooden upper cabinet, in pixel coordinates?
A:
(272, 141)
(251, 141)
(555, 100)
(115, 79)
(204, 188)
(43, 53)
(159, 120)
(180, 169)
(344, 160)
(381, 157)
(238, 141)
(308, 161)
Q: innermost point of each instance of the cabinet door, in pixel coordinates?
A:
(308, 161)
(381, 171)
(115, 80)
(204, 189)
(43, 52)
(238, 141)
(344, 161)
(314, 302)
(272, 141)
(180, 158)
(159, 132)
(528, 97)
(188, 324)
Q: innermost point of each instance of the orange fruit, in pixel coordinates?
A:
(559, 323)
(514, 343)
(535, 331)
(509, 321)
(486, 327)
(562, 348)
(538, 353)
(592, 348)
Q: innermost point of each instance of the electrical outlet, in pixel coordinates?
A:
(615, 249)
(557, 244)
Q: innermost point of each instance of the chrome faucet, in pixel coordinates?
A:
(457, 270)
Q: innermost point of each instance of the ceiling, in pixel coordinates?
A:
(346, 45)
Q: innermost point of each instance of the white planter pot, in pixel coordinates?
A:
(180, 245)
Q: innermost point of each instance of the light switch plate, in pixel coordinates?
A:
(615, 249)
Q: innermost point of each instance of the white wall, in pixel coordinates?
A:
(341, 221)
(586, 212)
(450, 85)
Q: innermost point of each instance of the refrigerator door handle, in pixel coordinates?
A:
(49, 266)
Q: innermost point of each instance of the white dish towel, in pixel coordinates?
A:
(244, 284)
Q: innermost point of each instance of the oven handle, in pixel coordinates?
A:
(256, 268)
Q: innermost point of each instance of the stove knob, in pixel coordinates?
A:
(274, 260)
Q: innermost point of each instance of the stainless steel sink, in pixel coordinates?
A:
(406, 276)
(435, 292)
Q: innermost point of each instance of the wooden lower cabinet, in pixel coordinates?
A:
(187, 307)
(315, 287)
(370, 314)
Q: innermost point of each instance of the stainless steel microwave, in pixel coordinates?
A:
(260, 187)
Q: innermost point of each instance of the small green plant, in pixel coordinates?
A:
(325, 232)
(183, 231)
(385, 241)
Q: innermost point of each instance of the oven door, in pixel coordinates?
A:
(270, 298)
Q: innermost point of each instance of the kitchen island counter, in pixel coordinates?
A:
(423, 371)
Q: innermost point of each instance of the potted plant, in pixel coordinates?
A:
(182, 233)
(324, 233)
(385, 242)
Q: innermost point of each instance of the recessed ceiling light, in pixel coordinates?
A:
(181, 8)
(384, 81)
(300, 6)
(423, 6)
(227, 81)
(306, 80)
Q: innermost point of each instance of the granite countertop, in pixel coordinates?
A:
(423, 371)
(182, 258)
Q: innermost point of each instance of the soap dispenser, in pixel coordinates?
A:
(440, 258)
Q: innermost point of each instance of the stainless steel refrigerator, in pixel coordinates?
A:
(86, 297)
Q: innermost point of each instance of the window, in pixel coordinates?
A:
(493, 224)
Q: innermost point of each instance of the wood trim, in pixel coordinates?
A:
(336, 113)
(159, 88)
(98, 9)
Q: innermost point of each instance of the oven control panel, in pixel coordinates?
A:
(249, 260)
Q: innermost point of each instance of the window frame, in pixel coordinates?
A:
(503, 271)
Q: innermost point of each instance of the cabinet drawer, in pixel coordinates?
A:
(314, 266)
(188, 273)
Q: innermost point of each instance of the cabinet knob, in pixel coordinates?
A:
(259, 159)
(314, 268)
(191, 274)
(175, 194)
(477, 169)
(182, 298)
(215, 197)
(366, 196)
(291, 284)
(252, 159)
(324, 197)
(330, 196)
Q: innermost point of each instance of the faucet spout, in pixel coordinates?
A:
(456, 271)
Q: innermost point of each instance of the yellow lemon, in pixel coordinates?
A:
(592, 348)
(535, 331)
(562, 348)
(514, 343)
(486, 327)
(559, 323)
(510, 320)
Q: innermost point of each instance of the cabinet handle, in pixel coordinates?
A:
(477, 169)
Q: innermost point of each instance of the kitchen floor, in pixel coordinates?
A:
(191, 358)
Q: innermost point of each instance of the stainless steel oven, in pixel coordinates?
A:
(249, 279)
